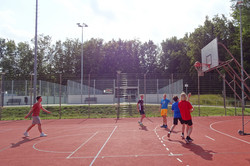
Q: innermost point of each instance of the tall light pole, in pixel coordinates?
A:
(35, 59)
(82, 25)
(239, 4)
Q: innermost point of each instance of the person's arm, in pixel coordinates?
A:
(138, 106)
(191, 108)
(160, 107)
(189, 95)
(172, 108)
(45, 110)
(30, 112)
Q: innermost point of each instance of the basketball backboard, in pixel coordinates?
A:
(209, 55)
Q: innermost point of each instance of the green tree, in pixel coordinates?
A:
(149, 57)
(9, 59)
(24, 64)
(174, 58)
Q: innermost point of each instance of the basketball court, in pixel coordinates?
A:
(124, 142)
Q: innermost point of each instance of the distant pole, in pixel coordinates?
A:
(31, 89)
(81, 26)
(1, 96)
(2, 86)
(224, 93)
(60, 97)
(186, 86)
(89, 97)
(234, 98)
(35, 59)
(118, 93)
(145, 93)
(199, 94)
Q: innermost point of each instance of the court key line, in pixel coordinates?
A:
(53, 138)
(82, 145)
(103, 146)
(210, 138)
(226, 134)
(161, 140)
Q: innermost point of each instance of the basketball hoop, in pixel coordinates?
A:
(198, 66)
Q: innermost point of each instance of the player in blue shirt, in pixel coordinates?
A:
(164, 110)
(177, 116)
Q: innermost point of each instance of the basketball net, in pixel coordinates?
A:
(198, 67)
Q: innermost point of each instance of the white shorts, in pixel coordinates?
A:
(36, 120)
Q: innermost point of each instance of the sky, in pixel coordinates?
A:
(145, 20)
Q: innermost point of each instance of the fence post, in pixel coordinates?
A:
(1, 97)
(89, 97)
(235, 98)
(157, 82)
(60, 95)
(145, 93)
(118, 93)
(224, 93)
(199, 94)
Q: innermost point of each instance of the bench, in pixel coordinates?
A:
(12, 101)
(92, 100)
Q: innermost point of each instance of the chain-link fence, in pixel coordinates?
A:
(104, 89)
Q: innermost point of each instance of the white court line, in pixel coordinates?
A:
(82, 145)
(227, 134)
(53, 138)
(209, 138)
(124, 156)
(179, 160)
(103, 146)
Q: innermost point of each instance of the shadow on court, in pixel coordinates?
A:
(143, 128)
(198, 150)
(25, 140)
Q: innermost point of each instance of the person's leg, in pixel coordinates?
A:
(30, 127)
(172, 128)
(187, 129)
(175, 122)
(40, 128)
(142, 117)
(26, 134)
(165, 120)
(183, 129)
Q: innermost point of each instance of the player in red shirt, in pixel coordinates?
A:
(185, 109)
(35, 117)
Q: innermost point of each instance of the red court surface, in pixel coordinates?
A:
(109, 142)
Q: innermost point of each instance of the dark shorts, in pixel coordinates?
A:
(142, 112)
(176, 121)
(188, 122)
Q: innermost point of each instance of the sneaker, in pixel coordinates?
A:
(190, 139)
(187, 141)
(163, 126)
(182, 136)
(26, 134)
(43, 135)
(169, 134)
